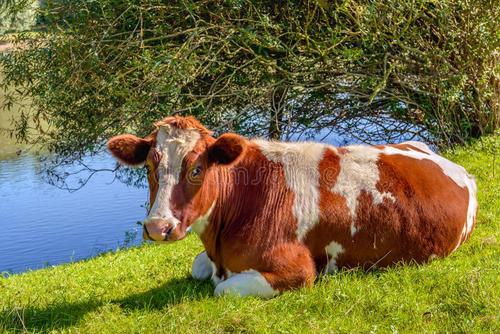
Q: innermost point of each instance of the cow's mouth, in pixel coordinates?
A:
(167, 232)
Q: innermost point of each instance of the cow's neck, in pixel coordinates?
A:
(239, 205)
(219, 181)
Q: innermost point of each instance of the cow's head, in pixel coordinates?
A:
(182, 159)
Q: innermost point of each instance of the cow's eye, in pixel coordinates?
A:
(196, 171)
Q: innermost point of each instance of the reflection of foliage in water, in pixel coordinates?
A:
(73, 174)
(130, 238)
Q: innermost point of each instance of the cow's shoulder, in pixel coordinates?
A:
(301, 165)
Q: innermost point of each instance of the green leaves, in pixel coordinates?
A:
(107, 66)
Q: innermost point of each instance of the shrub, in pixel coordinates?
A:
(268, 68)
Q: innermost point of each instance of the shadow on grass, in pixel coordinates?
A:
(62, 315)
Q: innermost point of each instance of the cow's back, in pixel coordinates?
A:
(382, 204)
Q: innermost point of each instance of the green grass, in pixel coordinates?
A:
(149, 289)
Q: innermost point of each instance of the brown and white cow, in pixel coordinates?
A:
(272, 215)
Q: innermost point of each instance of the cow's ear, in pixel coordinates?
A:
(226, 149)
(129, 149)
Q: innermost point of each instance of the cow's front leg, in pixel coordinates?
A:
(287, 266)
(202, 267)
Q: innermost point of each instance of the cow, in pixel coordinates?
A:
(273, 215)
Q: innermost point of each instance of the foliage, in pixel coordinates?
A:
(17, 15)
(148, 289)
(264, 68)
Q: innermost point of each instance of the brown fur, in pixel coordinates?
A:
(180, 122)
(130, 149)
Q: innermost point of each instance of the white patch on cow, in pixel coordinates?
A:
(353, 230)
(300, 162)
(215, 278)
(455, 172)
(174, 144)
(247, 283)
(333, 250)
(202, 268)
(421, 146)
(359, 172)
(202, 222)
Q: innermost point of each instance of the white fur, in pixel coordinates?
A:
(300, 162)
(455, 172)
(421, 146)
(359, 172)
(247, 283)
(333, 250)
(215, 279)
(174, 144)
(353, 230)
(202, 268)
(201, 223)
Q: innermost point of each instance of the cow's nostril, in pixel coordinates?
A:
(168, 230)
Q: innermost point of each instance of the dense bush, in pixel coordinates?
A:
(271, 68)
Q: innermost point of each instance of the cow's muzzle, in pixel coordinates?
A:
(162, 230)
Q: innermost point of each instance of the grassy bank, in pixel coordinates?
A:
(149, 289)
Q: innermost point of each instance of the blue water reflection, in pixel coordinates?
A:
(42, 225)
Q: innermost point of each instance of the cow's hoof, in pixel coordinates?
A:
(202, 267)
(247, 283)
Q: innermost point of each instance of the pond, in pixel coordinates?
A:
(43, 225)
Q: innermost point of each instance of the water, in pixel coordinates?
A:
(42, 225)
